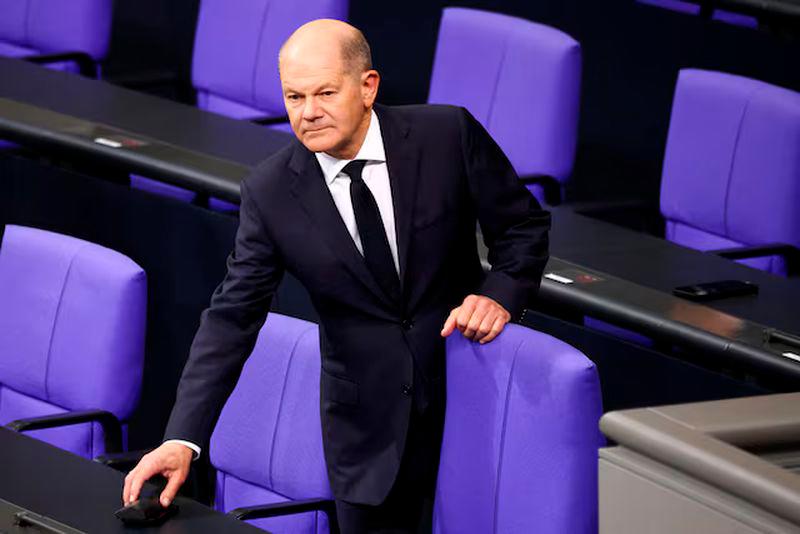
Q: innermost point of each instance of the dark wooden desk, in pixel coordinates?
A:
(84, 495)
(65, 115)
(658, 264)
(635, 275)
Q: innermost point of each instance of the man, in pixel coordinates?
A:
(374, 211)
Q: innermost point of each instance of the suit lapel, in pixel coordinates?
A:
(311, 192)
(402, 160)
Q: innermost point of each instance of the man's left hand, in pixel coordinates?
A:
(479, 318)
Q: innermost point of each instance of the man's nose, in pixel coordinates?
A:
(311, 109)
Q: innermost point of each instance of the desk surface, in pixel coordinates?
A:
(185, 145)
(83, 494)
(661, 265)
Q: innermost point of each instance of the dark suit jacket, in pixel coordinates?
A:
(445, 173)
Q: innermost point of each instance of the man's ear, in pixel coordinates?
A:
(369, 86)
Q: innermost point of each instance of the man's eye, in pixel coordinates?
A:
(327, 93)
(293, 98)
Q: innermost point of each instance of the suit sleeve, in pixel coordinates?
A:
(228, 328)
(514, 226)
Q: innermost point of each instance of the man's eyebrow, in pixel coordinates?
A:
(315, 89)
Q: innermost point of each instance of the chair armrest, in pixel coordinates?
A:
(788, 252)
(267, 121)
(551, 187)
(122, 461)
(327, 506)
(112, 429)
(86, 65)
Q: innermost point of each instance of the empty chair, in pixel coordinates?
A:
(731, 172)
(267, 444)
(72, 36)
(72, 325)
(521, 80)
(521, 435)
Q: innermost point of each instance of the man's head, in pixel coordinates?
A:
(328, 86)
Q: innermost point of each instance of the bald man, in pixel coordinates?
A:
(374, 210)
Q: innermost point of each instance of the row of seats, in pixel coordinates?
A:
(520, 444)
(731, 158)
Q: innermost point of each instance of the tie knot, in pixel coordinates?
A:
(354, 168)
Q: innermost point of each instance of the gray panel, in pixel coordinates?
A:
(640, 496)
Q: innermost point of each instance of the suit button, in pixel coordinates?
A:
(406, 389)
(407, 324)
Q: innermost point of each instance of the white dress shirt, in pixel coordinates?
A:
(376, 176)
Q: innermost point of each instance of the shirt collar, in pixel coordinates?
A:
(371, 150)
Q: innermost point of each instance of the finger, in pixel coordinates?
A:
(126, 490)
(483, 306)
(140, 475)
(486, 325)
(497, 327)
(450, 323)
(174, 483)
(484, 311)
(465, 312)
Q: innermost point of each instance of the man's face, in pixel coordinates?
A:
(327, 106)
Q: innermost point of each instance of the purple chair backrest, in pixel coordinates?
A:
(267, 444)
(521, 435)
(236, 52)
(520, 79)
(52, 26)
(731, 171)
(72, 325)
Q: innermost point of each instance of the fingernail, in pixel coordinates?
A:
(164, 502)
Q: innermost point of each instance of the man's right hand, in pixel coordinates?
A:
(171, 460)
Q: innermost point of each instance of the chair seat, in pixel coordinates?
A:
(84, 440)
(229, 108)
(233, 492)
(691, 237)
(14, 51)
(155, 187)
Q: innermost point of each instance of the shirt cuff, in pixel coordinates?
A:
(195, 449)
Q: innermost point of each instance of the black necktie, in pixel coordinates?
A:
(377, 253)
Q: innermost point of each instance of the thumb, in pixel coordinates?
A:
(173, 484)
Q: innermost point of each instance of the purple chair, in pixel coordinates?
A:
(521, 80)
(731, 175)
(72, 325)
(234, 67)
(71, 36)
(267, 444)
(521, 435)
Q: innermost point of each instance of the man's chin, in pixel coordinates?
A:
(317, 141)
